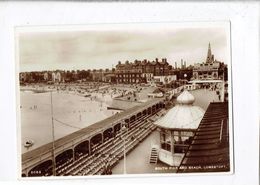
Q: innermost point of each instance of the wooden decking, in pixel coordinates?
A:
(209, 150)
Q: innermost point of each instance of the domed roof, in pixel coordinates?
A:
(182, 116)
(185, 98)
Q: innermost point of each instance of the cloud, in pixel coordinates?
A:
(102, 49)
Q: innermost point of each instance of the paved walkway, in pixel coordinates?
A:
(137, 162)
(203, 97)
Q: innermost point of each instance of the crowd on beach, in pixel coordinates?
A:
(93, 90)
(103, 92)
(100, 94)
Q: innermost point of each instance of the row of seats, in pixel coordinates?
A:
(115, 153)
(141, 133)
(61, 166)
(111, 150)
(118, 151)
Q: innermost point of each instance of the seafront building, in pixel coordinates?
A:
(211, 69)
(144, 71)
(57, 77)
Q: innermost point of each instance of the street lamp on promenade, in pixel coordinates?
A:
(53, 140)
(123, 131)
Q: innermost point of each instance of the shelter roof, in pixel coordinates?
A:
(209, 149)
(184, 115)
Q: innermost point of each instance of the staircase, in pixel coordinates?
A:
(154, 155)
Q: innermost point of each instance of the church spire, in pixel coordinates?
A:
(209, 56)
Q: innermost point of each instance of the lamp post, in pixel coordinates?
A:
(185, 77)
(124, 129)
(53, 139)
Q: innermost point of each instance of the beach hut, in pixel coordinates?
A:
(177, 128)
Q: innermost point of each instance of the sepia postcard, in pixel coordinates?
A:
(124, 99)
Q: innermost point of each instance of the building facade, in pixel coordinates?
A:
(211, 69)
(165, 79)
(142, 71)
(57, 76)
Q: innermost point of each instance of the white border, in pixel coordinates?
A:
(244, 17)
(113, 27)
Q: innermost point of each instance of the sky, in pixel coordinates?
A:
(103, 48)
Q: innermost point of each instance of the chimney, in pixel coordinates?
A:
(185, 64)
(181, 63)
(175, 65)
(156, 60)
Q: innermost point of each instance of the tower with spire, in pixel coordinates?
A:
(210, 57)
(208, 70)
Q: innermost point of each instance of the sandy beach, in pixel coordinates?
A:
(71, 109)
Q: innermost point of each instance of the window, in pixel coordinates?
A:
(166, 146)
(165, 141)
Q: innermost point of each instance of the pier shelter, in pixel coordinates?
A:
(177, 129)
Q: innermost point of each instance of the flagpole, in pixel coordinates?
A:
(53, 139)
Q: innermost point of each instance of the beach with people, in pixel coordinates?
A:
(75, 106)
(71, 112)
